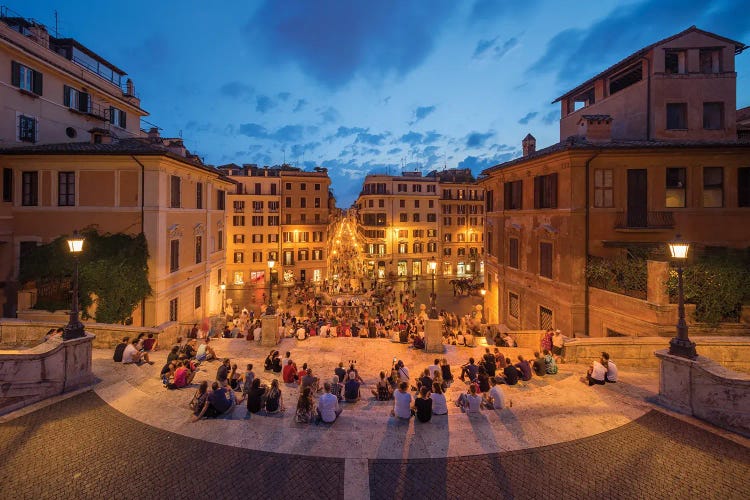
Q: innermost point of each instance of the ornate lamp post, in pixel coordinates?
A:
(223, 288)
(74, 328)
(270, 309)
(432, 266)
(681, 344)
(483, 291)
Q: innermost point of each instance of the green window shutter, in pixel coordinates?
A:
(553, 190)
(123, 121)
(15, 74)
(84, 102)
(37, 83)
(66, 95)
(111, 114)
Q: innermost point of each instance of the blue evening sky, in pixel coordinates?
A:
(371, 86)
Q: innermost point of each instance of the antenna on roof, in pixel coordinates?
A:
(56, 21)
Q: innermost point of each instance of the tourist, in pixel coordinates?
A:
(439, 403)
(483, 380)
(305, 407)
(424, 381)
(222, 373)
(337, 388)
(382, 390)
(611, 375)
(539, 365)
(131, 355)
(308, 380)
(510, 373)
(498, 340)
(470, 402)
(276, 362)
(469, 369)
(205, 352)
(173, 354)
(286, 360)
(445, 371)
(119, 349)
(438, 379)
(256, 397)
(149, 343)
(180, 376)
(257, 331)
(167, 372)
(524, 369)
(546, 342)
(499, 360)
(558, 345)
(351, 388)
(189, 350)
(596, 374)
(508, 340)
(220, 400)
(301, 373)
(549, 360)
(402, 372)
(402, 402)
(289, 372)
(247, 379)
(234, 378)
(199, 403)
(353, 370)
(328, 405)
(268, 363)
(423, 405)
(488, 362)
(495, 399)
(433, 367)
(340, 372)
(193, 331)
(274, 399)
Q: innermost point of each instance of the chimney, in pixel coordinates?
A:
(129, 88)
(153, 134)
(595, 128)
(39, 35)
(529, 145)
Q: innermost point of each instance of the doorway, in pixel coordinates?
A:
(637, 198)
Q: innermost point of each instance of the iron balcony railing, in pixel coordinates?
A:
(644, 220)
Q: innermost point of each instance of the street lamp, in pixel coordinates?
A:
(223, 288)
(681, 344)
(74, 328)
(270, 309)
(432, 266)
(483, 292)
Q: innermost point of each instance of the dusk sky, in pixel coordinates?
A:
(371, 86)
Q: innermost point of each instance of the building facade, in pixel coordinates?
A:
(605, 191)
(406, 221)
(278, 214)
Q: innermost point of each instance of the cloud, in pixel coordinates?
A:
(283, 96)
(347, 131)
(288, 133)
(372, 139)
(236, 89)
(493, 48)
(551, 117)
(526, 119)
(570, 56)
(477, 139)
(263, 104)
(431, 137)
(299, 106)
(299, 150)
(333, 41)
(329, 114)
(412, 138)
(486, 11)
(423, 112)
(479, 163)
(254, 130)
(394, 151)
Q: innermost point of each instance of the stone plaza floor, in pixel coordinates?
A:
(129, 437)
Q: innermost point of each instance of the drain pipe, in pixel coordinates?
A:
(587, 244)
(648, 97)
(143, 199)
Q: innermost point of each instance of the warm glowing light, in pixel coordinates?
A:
(223, 286)
(678, 248)
(271, 263)
(75, 243)
(483, 291)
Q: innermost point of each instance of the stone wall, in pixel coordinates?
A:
(705, 390)
(731, 352)
(47, 369)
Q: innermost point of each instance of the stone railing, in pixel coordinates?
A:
(731, 352)
(47, 369)
(705, 390)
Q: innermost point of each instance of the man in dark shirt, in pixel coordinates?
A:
(117, 358)
(469, 369)
(351, 389)
(425, 380)
(524, 368)
(340, 372)
(489, 362)
(423, 406)
(223, 372)
(218, 401)
(510, 374)
(540, 366)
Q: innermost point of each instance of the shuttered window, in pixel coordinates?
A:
(26, 78)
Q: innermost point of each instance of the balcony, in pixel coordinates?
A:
(644, 221)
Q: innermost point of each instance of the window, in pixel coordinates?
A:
(303, 202)
(199, 195)
(677, 116)
(604, 188)
(257, 238)
(545, 260)
(710, 60)
(625, 79)
(460, 237)
(273, 189)
(416, 248)
(545, 318)
(7, 184)
(489, 243)
(288, 257)
(403, 233)
(743, 187)
(403, 248)
(239, 220)
(288, 219)
(174, 255)
(417, 233)
(75, 99)
(447, 221)
(432, 247)
(273, 220)
(431, 218)
(318, 254)
(288, 202)
(302, 255)
(403, 217)
(303, 186)
(431, 188)
(402, 188)
(431, 204)
(27, 128)
(239, 278)
(317, 218)
(416, 188)
(317, 236)
(257, 220)
(239, 257)
(381, 203)
(257, 206)
(240, 238)
(432, 233)
(675, 187)
(197, 299)
(273, 238)
(513, 192)
(674, 61)
(370, 203)
(30, 189)
(415, 217)
(288, 237)
(257, 188)
(713, 115)
(257, 257)
(173, 310)
(238, 206)
(26, 78)
(713, 187)
(317, 202)
(416, 203)
(198, 249)
(220, 239)
(273, 206)
(514, 307)
(288, 186)
(447, 252)
(447, 209)
(220, 199)
(513, 253)
(117, 117)
(174, 190)
(273, 255)
(317, 187)
(545, 191)
(66, 189)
